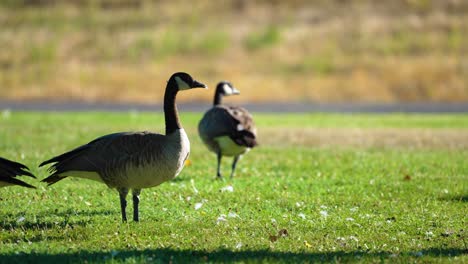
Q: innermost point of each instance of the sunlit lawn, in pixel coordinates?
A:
(305, 195)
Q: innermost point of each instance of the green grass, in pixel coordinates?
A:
(269, 36)
(289, 203)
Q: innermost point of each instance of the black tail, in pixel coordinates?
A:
(14, 181)
(53, 179)
(60, 163)
(65, 156)
(12, 168)
(245, 138)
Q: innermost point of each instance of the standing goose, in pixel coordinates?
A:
(132, 160)
(9, 170)
(227, 130)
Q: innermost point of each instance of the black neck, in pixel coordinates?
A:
(171, 115)
(218, 97)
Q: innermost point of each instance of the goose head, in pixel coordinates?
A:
(226, 88)
(183, 81)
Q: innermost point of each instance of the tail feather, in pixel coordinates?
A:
(65, 156)
(245, 138)
(12, 168)
(60, 164)
(14, 181)
(53, 179)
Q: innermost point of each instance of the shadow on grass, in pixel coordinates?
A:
(40, 225)
(74, 212)
(457, 198)
(67, 219)
(173, 255)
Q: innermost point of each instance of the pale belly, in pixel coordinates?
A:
(229, 147)
(151, 175)
(133, 177)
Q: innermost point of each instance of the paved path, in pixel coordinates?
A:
(253, 107)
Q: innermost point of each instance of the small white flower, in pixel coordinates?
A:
(232, 215)
(301, 215)
(198, 206)
(221, 218)
(239, 245)
(350, 219)
(429, 233)
(324, 213)
(446, 191)
(21, 219)
(323, 207)
(273, 221)
(371, 182)
(164, 209)
(353, 209)
(87, 203)
(299, 204)
(228, 188)
(353, 238)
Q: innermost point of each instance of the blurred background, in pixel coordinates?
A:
(273, 51)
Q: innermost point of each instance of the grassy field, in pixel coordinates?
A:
(321, 187)
(123, 50)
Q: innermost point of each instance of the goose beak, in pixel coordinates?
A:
(235, 91)
(197, 84)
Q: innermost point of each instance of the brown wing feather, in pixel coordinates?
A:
(233, 121)
(108, 151)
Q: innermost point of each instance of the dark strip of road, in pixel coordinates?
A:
(253, 107)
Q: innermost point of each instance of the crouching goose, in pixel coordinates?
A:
(227, 130)
(9, 170)
(132, 160)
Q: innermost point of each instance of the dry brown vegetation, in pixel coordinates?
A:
(327, 51)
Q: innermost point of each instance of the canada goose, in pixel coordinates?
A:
(9, 170)
(132, 160)
(227, 130)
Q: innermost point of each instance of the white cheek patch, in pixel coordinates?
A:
(182, 84)
(227, 89)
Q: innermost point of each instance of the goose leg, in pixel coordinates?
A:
(219, 166)
(234, 163)
(123, 202)
(136, 202)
